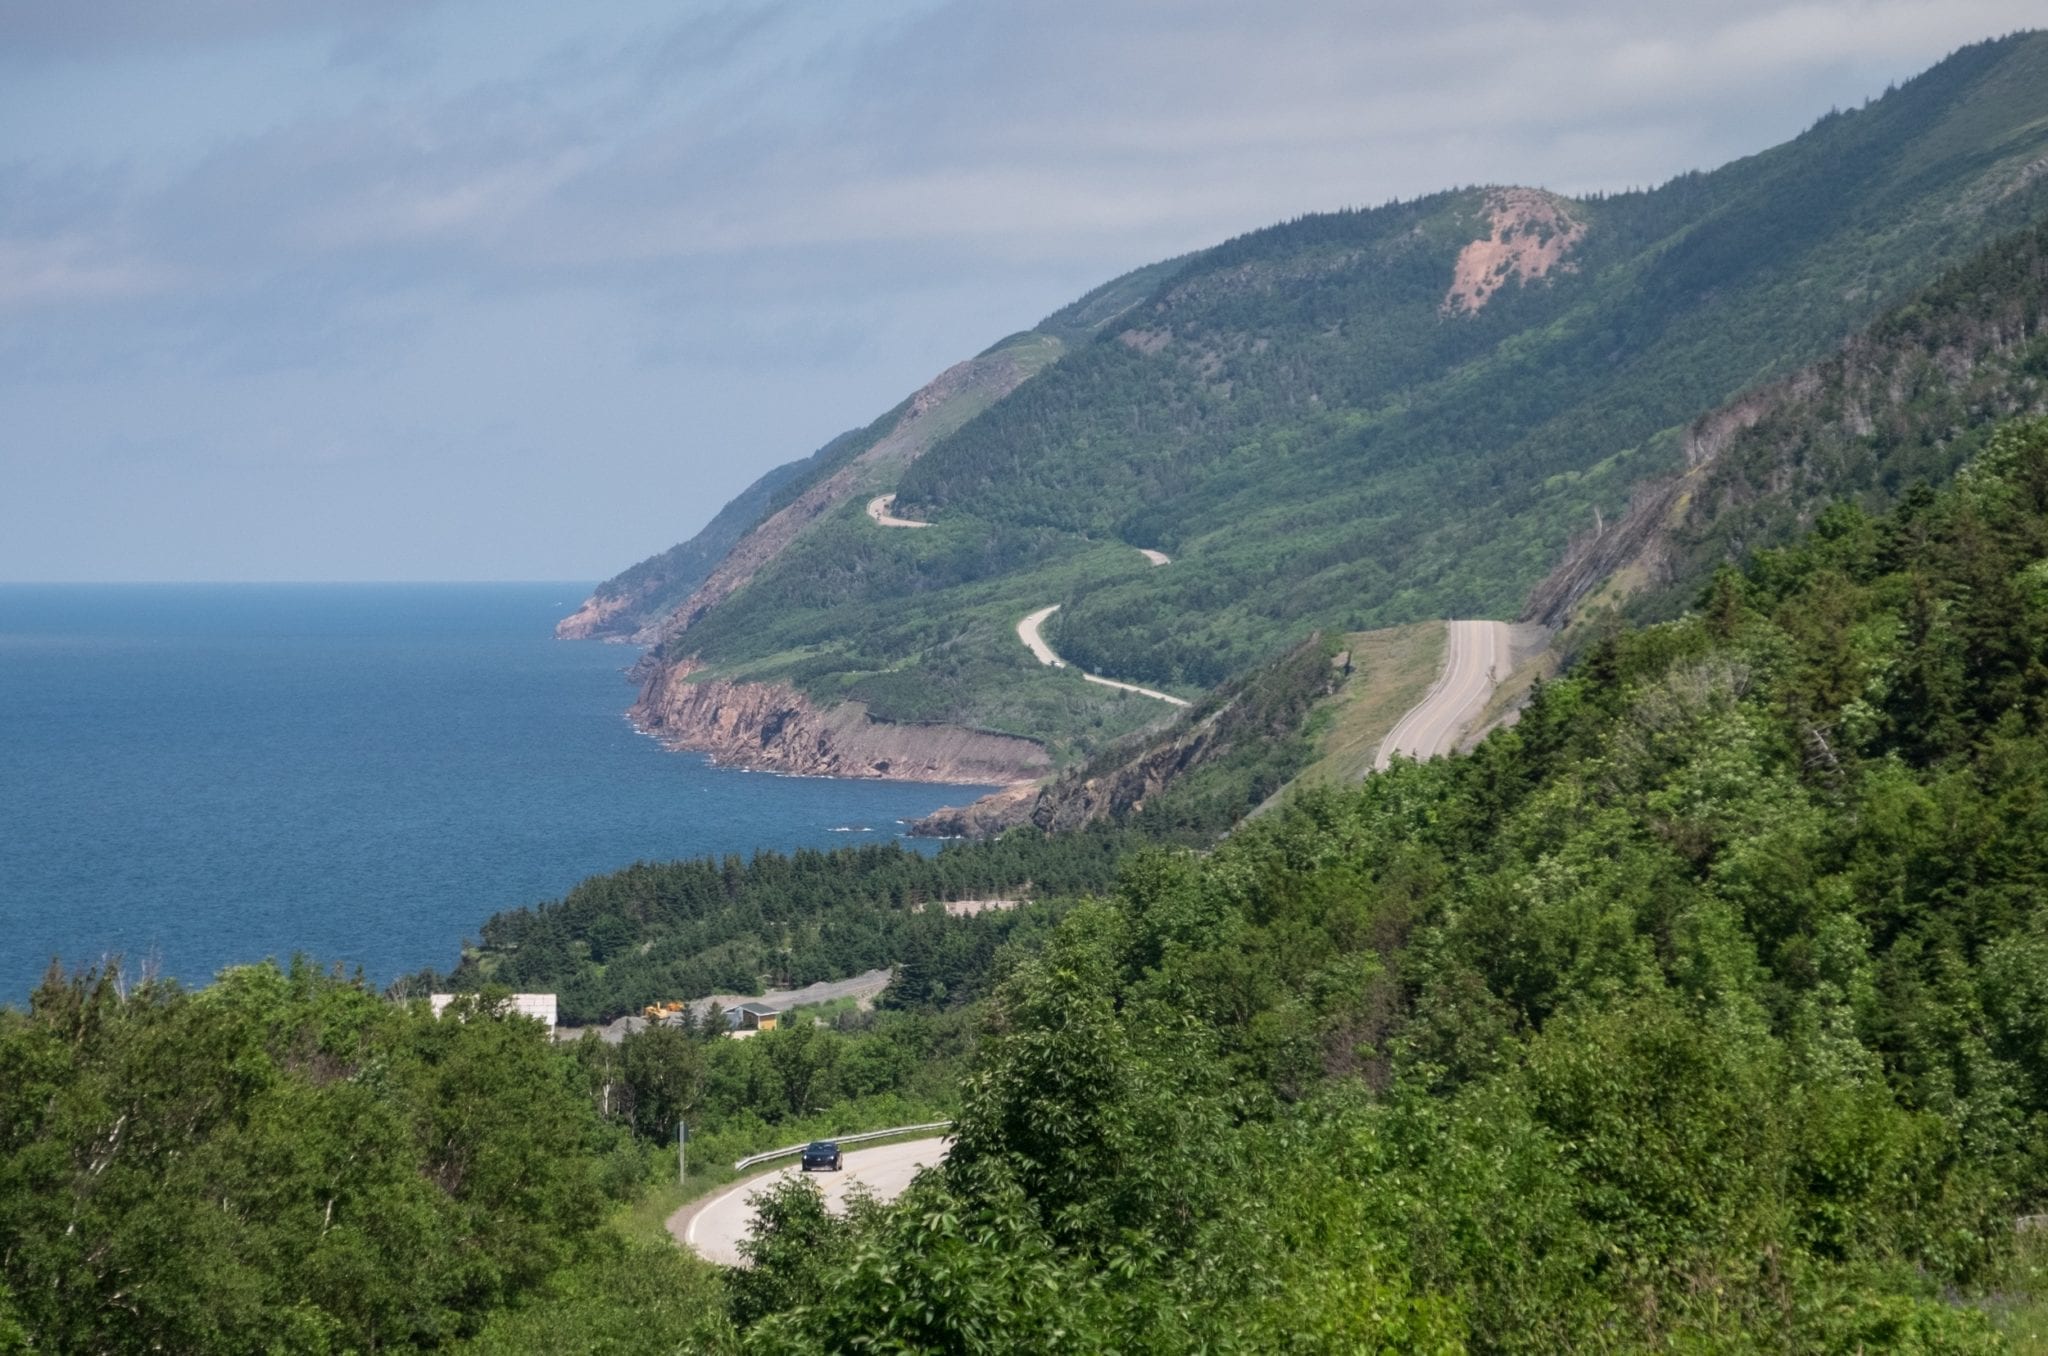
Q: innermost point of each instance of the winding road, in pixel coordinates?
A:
(878, 509)
(1027, 631)
(716, 1225)
(1477, 656)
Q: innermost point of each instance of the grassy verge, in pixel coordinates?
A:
(1391, 671)
(828, 1012)
(2018, 1304)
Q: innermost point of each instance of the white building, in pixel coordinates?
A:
(539, 1006)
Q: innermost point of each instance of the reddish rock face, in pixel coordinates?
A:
(773, 727)
(1532, 233)
(592, 619)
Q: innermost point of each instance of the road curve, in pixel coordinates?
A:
(1476, 658)
(716, 1225)
(1156, 557)
(1027, 631)
(878, 509)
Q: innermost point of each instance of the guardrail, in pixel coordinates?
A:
(750, 1161)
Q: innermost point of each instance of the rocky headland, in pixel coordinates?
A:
(772, 727)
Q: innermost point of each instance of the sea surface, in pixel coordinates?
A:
(201, 775)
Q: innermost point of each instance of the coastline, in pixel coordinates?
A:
(774, 728)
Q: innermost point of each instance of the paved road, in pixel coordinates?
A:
(878, 509)
(1475, 659)
(1027, 631)
(861, 986)
(865, 985)
(715, 1226)
(1156, 557)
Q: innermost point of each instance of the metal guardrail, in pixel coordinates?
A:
(750, 1161)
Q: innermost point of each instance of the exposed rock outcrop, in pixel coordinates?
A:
(1637, 542)
(593, 618)
(1106, 789)
(984, 818)
(1532, 233)
(772, 727)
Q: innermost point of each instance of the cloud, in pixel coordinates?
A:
(72, 269)
(1054, 131)
(689, 242)
(35, 31)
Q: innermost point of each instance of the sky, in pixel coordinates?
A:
(468, 290)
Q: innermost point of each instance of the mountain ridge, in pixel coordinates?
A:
(1321, 434)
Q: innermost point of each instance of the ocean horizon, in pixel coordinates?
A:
(194, 776)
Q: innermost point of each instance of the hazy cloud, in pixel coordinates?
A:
(636, 245)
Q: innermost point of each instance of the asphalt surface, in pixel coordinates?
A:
(1476, 657)
(716, 1225)
(862, 986)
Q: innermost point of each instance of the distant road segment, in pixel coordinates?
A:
(716, 1226)
(1027, 631)
(878, 509)
(1476, 657)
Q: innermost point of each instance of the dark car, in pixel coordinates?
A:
(821, 1153)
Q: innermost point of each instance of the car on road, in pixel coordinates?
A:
(821, 1154)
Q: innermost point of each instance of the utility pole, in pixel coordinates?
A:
(682, 1152)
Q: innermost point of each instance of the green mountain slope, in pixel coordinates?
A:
(1904, 403)
(636, 602)
(1367, 418)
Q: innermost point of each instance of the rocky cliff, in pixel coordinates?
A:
(594, 618)
(772, 727)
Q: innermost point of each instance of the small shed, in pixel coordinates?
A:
(751, 1017)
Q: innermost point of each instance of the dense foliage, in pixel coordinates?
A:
(281, 1161)
(1904, 403)
(1704, 1010)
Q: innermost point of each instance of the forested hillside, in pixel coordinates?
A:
(1703, 1010)
(643, 601)
(1371, 417)
(1902, 404)
(648, 591)
(657, 932)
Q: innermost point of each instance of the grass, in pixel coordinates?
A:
(2017, 1308)
(646, 1219)
(828, 1012)
(2023, 1324)
(1391, 671)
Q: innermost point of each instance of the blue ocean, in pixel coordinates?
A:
(197, 776)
